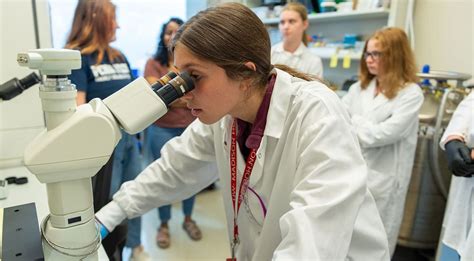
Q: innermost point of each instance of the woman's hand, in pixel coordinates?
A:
(460, 160)
(103, 230)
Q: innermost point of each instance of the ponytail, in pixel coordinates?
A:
(298, 74)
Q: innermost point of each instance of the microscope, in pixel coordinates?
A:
(79, 140)
(15, 86)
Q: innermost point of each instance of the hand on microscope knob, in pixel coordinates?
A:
(459, 158)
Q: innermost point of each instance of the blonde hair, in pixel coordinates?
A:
(303, 12)
(92, 29)
(396, 65)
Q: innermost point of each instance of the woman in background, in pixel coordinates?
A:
(384, 108)
(293, 51)
(458, 142)
(104, 71)
(172, 124)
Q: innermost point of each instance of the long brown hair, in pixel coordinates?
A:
(234, 35)
(93, 28)
(302, 11)
(396, 65)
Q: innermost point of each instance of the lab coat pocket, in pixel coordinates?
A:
(255, 206)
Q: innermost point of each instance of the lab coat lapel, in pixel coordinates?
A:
(258, 167)
(278, 104)
(378, 100)
(226, 135)
(241, 160)
(274, 126)
(369, 102)
(367, 97)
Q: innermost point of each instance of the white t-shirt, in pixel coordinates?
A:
(302, 59)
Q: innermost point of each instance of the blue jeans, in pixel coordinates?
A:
(155, 138)
(127, 165)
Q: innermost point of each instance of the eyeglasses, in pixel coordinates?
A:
(375, 55)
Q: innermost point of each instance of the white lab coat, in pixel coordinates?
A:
(387, 131)
(459, 217)
(309, 172)
(302, 59)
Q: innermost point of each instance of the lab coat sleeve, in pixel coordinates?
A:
(461, 121)
(329, 188)
(187, 166)
(396, 126)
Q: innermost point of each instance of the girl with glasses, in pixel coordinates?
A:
(384, 107)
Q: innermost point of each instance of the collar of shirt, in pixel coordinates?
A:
(249, 136)
(299, 51)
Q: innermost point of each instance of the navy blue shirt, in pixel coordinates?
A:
(101, 80)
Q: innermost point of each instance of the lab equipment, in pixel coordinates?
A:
(16, 180)
(345, 6)
(328, 6)
(15, 87)
(78, 141)
(21, 237)
(428, 189)
(459, 158)
(274, 2)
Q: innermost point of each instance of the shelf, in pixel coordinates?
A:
(338, 16)
(327, 53)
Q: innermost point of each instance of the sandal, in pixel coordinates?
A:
(163, 237)
(192, 229)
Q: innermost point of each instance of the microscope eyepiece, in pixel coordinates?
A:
(175, 88)
(30, 80)
(184, 83)
(163, 80)
(15, 87)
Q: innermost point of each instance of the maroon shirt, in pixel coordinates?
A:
(249, 136)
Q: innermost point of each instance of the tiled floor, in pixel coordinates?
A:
(208, 214)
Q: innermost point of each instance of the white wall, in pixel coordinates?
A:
(21, 118)
(444, 34)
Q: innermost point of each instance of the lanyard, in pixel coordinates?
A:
(236, 202)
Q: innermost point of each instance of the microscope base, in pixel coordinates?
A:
(79, 242)
(21, 237)
(52, 255)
